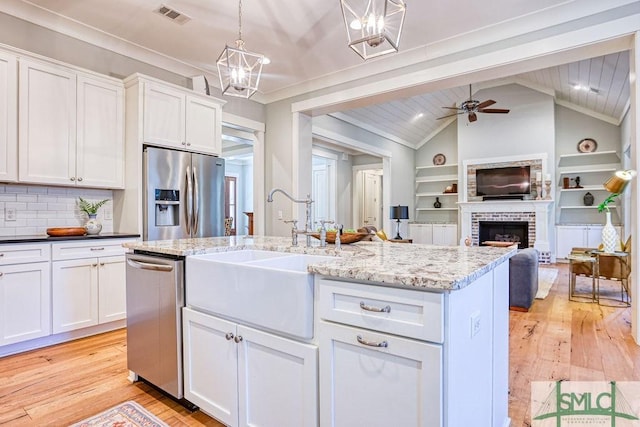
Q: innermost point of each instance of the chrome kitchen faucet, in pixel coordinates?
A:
(307, 223)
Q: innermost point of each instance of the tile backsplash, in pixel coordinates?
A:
(39, 207)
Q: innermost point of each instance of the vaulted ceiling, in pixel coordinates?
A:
(306, 42)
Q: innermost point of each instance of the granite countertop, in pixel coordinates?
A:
(39, 238)
(412, 266)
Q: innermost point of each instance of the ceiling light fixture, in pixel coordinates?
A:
(239, 70)
(373, 26)
(578, 86)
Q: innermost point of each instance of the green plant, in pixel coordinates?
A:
(604, 206)
(90, 208)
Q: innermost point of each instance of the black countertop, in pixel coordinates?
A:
(40, 238)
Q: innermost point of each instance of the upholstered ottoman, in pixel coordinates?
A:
(523, 279)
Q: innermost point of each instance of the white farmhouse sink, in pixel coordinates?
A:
(269, 290)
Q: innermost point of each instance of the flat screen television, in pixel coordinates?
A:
(509, 181)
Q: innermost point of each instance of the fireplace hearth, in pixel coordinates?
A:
(504, 231)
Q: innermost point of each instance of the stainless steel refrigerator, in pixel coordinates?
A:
(183, 193)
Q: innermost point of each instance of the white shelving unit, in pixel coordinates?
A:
(593, 169)
(431, 182)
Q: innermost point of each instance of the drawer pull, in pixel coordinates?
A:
(371, 343)
(385, 309)
(238, 338)
(1, 255)
(1, 274)
(97, 249)
(228, 336)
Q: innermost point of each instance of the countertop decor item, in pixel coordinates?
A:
(93, 226)
(345, 237)
(437, 203)
(587, 145)
(66, 231)
(439, 159)
(587, 199)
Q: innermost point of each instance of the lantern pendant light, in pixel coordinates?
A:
(239, 70)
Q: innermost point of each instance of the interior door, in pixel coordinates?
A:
(372, 208)
(320, 193)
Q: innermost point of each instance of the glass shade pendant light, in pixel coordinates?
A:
(373, 26)
(239, 70)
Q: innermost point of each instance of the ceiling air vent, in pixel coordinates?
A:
(174, 15)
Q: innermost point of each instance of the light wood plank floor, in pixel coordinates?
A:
(556, 339)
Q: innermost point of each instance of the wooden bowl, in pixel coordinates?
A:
(345, 238)
(66, 231)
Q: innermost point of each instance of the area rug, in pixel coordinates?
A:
(546, 277)
(126, 414)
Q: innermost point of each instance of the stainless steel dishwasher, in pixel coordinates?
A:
(155, 297)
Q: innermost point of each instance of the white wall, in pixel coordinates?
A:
(527, 129)
(445, 142)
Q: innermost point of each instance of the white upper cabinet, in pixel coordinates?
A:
(176, 119)
(47, 124)
(8, 118)
(71, 127)
(100, 137)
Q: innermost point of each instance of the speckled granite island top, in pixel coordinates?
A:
(394, 264)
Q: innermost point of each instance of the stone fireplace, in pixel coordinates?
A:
(534, 218)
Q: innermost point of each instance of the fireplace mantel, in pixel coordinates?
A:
(541, 208)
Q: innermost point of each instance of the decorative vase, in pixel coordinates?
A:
(93, 226)
(437, 203)
(587, 199)
(609, 236)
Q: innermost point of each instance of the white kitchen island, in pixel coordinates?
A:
(410, 335)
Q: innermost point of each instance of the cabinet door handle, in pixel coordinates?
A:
(385, 309)
(229, 336)
(1, 255)
(372, 343)
(73, 178)
(1, 274)
(79, 178)
(238, 338)
(94, 265)
(97, 249)
(102, 264)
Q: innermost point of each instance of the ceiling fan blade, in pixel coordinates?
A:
(493, 110)
(450, 115)
(486, 103)
(472, 117)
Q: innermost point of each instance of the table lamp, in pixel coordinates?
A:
(398, 213)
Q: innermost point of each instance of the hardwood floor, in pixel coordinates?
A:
(556, 339)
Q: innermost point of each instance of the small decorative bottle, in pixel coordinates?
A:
(437, 203)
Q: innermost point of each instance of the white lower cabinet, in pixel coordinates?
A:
(24, 302)
(88, 283)
(373, 379)
(25, 292)
(434, 234)
(578, 236)
(245, 377)
(87, 292)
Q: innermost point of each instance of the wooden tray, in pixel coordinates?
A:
(345, 238)
(66, 231)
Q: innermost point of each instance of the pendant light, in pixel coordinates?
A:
(239, 70)
(373, 26)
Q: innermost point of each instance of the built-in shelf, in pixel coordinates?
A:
(597, 157)
(586, 188)
(436, 209)
(453, 165)
(439, 178)
(436, 194)
(585, 169)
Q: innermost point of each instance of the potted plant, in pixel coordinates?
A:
(93, 226)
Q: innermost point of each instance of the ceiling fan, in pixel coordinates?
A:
(472, 106)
